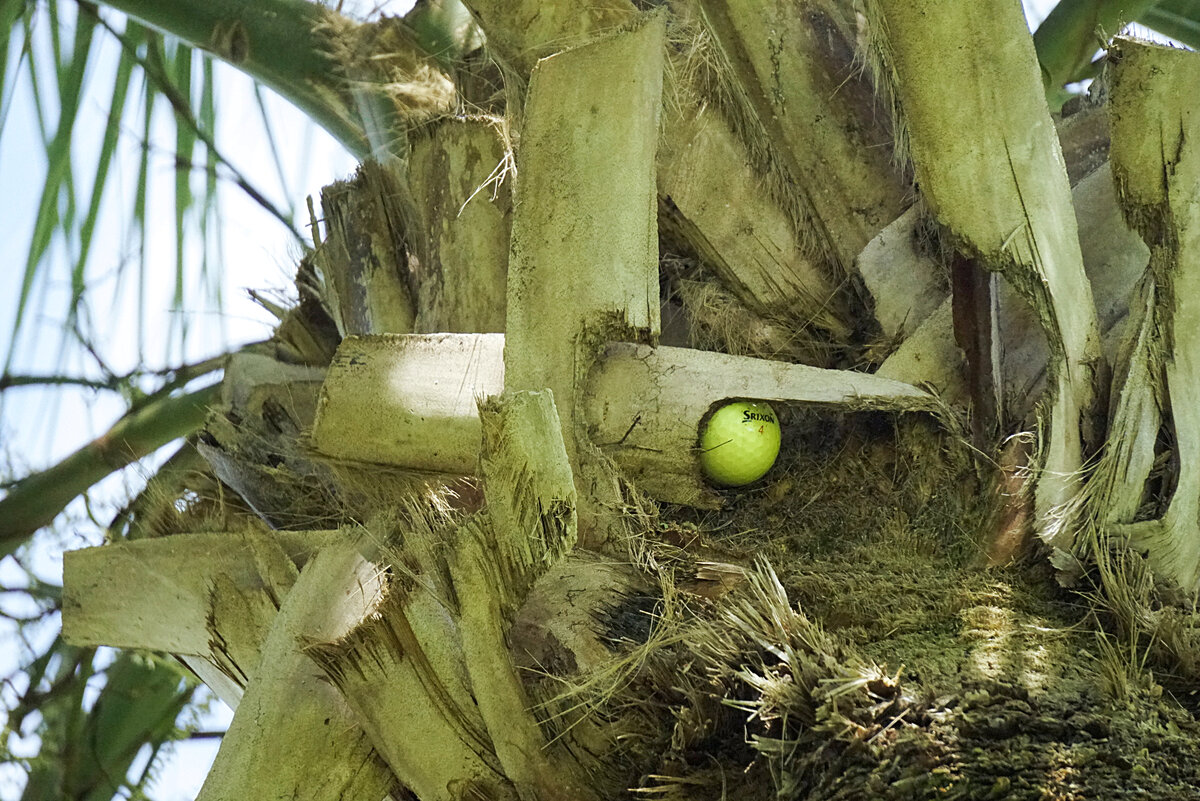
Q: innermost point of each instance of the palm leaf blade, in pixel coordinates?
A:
(1178, 19)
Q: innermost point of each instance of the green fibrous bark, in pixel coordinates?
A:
(989, 165)
(1156, 164)
(401, 670)
(530, 525)
(583, 262)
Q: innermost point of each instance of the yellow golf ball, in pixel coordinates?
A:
(739, 443)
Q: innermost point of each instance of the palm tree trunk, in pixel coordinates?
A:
(505, 613)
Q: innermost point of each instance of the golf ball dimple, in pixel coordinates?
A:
(739, 443)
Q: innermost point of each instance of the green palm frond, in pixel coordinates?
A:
(1178, 19)
(1069, 37)
(63, 55)
(90, 740)
(168, 70)
(36, 500)
(11, 12)
(293, 50)
(56, 208)
(108, 147)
